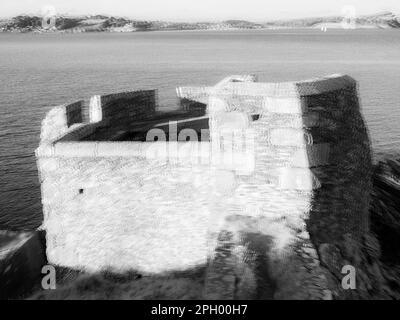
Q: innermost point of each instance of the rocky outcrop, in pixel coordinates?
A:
(385, 224)
(385, 208)
(22, 256)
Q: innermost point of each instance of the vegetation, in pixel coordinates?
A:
(128, 286)
(23, 23)
(67, 23)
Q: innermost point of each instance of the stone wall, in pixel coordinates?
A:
(129, 205)
(123, 108)
(124, 213)
(75, 121)
(192, 105)
(310, 190)
(197, 98)
(74, 113)
(61, 120)
(198, 94)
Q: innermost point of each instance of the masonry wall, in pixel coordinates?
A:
(197, 98)
(309, 192)
(122, 108)
(127, 205)
(198, 94)
(307, 138)
(128, 107)
(124, 213)
(120, 205)
(60, 120)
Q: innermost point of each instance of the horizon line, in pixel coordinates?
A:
(201, 20)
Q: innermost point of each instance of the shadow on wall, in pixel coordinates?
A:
(338, 221)
(340, 205)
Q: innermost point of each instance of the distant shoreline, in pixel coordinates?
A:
(58, 32)
(101, 23)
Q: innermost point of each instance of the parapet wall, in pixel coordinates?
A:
(198, 94)
(123, 108)
(61, 120)
(72, 122)
(196, 98)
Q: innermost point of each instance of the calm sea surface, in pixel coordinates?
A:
(41, 71)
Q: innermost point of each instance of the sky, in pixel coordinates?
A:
(200, 10)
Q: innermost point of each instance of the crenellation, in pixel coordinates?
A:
(74, 113)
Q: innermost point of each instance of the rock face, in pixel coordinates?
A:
(22, 256)
(385, 208)
(384, 248)
(276, 202)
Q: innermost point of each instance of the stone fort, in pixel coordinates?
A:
(243, 170)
